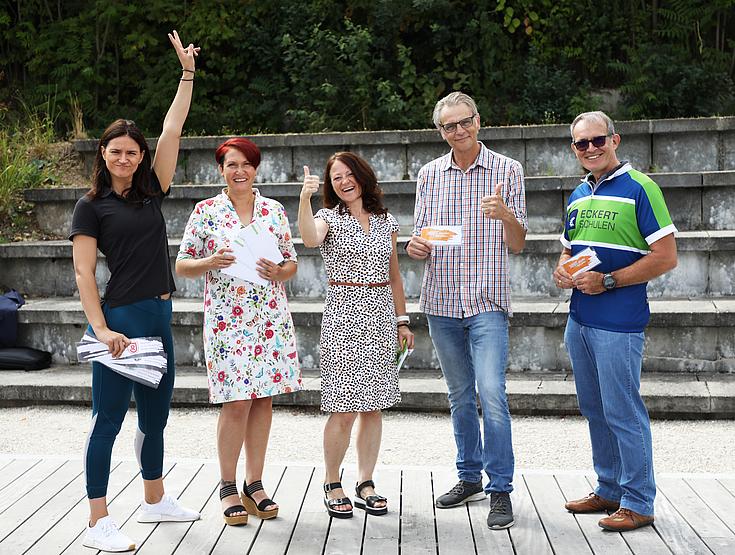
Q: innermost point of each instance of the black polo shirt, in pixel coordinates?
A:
(132, 236)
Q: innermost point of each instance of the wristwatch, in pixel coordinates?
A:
(609, 282)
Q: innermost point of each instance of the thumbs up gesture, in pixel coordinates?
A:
(311, 184)
(493, 206)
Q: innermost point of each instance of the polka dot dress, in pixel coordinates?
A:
(358, 341)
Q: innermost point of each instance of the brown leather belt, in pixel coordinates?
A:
(351, 284)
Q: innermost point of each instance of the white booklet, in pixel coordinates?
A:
(250, 244)
(143, 361)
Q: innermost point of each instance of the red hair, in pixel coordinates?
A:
(249, 149)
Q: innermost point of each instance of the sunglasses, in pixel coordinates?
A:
(597, 142)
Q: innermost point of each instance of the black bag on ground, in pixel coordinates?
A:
(10, 302)
(24, 358)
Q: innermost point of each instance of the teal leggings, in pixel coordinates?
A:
(111, 397)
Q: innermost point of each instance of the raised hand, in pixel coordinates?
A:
(311, 184)
(493, 205)
(186, 55)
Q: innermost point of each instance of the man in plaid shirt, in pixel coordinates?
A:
(466, 295)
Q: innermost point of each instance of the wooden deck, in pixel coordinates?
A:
(43, 511)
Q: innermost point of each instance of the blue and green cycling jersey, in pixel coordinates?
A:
(619, 218)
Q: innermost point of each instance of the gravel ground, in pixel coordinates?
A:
(543, 443)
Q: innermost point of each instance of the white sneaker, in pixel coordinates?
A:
(106, 536)
(168, 509)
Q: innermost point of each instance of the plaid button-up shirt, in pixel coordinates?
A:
(461, 281)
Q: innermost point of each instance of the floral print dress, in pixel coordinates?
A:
(249, 341)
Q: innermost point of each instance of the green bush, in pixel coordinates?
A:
(293, 66)
(665, 83)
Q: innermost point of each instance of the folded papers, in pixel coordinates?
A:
(143, 361)
(251, 244)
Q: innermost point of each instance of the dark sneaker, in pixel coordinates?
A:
(462, 493)
(501, 511)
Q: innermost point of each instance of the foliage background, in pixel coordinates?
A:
(295, 65)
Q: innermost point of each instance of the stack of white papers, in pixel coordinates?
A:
(143, 361)
(248, 246)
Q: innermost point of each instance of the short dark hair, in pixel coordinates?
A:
(372, 194)
(141, 187)
(249, 149)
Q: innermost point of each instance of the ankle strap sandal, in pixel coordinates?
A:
(231, 519)
(332, 504)
(368, 504)
(257, 509)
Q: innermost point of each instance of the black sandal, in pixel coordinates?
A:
(259, 508)
(225, 490)
(330, 504)
(368, 503)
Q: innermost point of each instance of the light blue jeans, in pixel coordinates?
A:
(473, 353)
(607, 372)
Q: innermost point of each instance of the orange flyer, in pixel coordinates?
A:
(581, 262)
(443, 234)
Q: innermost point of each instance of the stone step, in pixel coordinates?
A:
(696, 201)
(666, 395)
(706, 269)
(675, 145)
(683, 336)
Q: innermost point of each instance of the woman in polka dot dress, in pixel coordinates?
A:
(364, 320)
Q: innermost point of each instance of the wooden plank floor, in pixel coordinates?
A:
(43, 511)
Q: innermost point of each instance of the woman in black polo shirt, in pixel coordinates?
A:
(121, 216)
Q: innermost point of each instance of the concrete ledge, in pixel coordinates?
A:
(666, 396)
(556, 131)
(706, 268)
(685, 336)
(197, 192)
(696, 200)
(665, 145)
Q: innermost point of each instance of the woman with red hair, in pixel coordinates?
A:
(249, 341)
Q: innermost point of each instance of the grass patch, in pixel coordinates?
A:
(30, 157)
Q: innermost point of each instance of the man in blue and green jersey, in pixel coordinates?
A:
(620, 213)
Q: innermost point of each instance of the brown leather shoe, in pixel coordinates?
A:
(593, 503)
(624, 520)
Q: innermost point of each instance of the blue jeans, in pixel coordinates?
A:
(474, 351)
(607, 372)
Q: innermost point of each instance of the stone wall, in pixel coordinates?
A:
(675, 145)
